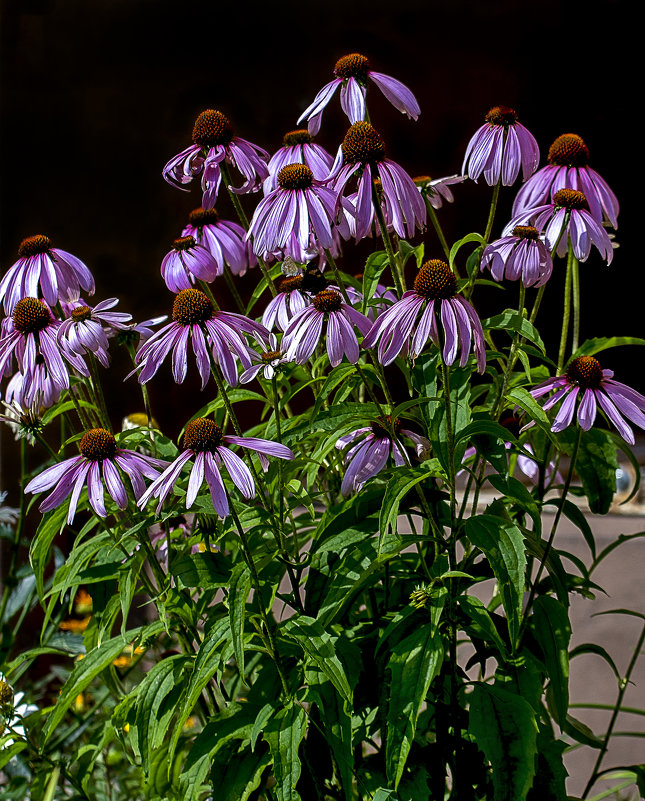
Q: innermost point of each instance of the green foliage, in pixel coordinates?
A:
(504, 727)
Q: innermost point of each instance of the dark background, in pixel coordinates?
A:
(97, 96)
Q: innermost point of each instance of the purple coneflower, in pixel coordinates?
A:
(58, 274)
(204, 445)
(95, 466)
(435, 287)
(84, 330)
(214, 334)
(294, 294)
(223, 239)
(520, 255)
(305, 329)
(268, 361)
(214, 143)
(186, 262)
(34, 387)
(24, 420)
(500, 148)
(373, 446)
(30, 332)
(300, 205)
(568, 168)
(438, 190)
(567, 219)
(363, 152)
(298, 148)
(352, 73)
(585, 380)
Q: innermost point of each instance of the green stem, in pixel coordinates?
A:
(492, 211)
(226, 177)
(566, 314)
(622, 687)
(278, 426)
(575, 284)
(338, 277)
(452, 562)
(10, 579)
(512, 358)
(255, 580)
(230, 283)
(397, 273)
(99, 397)
(549, 543)
(437, 227)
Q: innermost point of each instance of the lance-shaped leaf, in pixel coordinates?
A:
(284, 733)
(207, 663)
(550, 625)
(414, 663)
(233, 723)
(239, 592)
(402, 481)
(87, 669)
(336, 716)
(151, 720)
(502, 543)
(503, 725)
(596, 465)
(318, 645)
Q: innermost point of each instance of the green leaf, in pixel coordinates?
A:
(318, 645)
(482, 623)
(581, 733)
(596, 465)
(233, 723)
(406, 251)
(551, 774)
(356, 569)
(336, 717)
(237, 775)
(414, 663)
(284, 733)
(382, 794)
(503, 725)
(402, 481)
(514, 491)
(260, 721)
(577, 517)
(593, 648)
(203, 570)
(593, 346)
(51, 524)
(207, 663)
(552, 630)
(527, 402)
(337, 376)
(239, 592)
(474, 237)
(7, 753)
(503, 545)
(374, 266)
(512, 320)
(151, 719)
(87, 669)
(332, 419)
